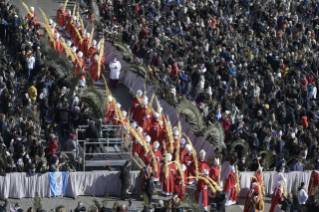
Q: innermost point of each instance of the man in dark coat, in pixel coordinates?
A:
(149, 187)
(286, 204)
(125, 179)
(91, 132)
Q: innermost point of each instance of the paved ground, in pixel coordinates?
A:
(123, 96)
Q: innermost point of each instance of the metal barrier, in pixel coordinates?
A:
(114, 151)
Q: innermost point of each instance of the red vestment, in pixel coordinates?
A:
(188, 161)
(133, 107)
(60, 17)
(76, 39)
(143, 154)
(93, 70)
(214, 174)
(58, 46)
(45, 31)
(202, 194)
(144, 119)
(34, 15)
(136, 113)
(109, 116)
(155, 131)
(68, 25)
(182, 152)
(180, 186)
(72, 31)
(168, 183)
(202, 166)
(84, 47)
(257, 175)
(78, 66)
(275, 197)
(91, 50)
(229, 188)
(149, 159)
(91, 56)
(314, 182)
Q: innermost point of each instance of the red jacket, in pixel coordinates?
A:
(53, 145)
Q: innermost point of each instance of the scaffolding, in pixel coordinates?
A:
(114, 151)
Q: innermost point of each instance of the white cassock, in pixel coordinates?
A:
(115, 70)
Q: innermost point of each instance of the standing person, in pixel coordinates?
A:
(149, 188)
(314, 181)
(145, 174)
(167, 179)
(214, 174)
(125, 179)
(230, 187)
(30, 65)
(180, 185)
(250, 195)
(115, 67)
(286, 203)
(303, 196)
(255, 203)
(202, 193)
(276, 195)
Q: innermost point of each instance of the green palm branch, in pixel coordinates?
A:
(215, 135)
(124, 50)
(95, 108)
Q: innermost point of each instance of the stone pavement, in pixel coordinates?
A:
(71, 203)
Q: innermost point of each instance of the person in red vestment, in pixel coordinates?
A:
(167, 184)
(177, 140)
(137, 110)
(110, 111)
(135, 104)
(203, 166)
(257, 174)
(143, 153)
(93, 70)
(32, 15)
(155, 128)
(230, 187)
(158, 156)
(136, 146)
(60, 17)
(58, 45)
(97, 52)
(214, 174)
(75, 36)
(115, 119)
(314, 181)
(79, 65)
(91, 51)
(202, 193)
(181, 186)
(275, 196)
(250, 195)
(50, 25)
(72, 26)
(182, 151)
(68, 24)
(188, 161)
(84, 47)
(145, 114)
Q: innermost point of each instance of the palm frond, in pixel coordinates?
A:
(89, 81)
(95, 108)
(192, 115)
(96, 94)
(215, 135)
(74, 82)
(138, 69)
(189, 200)
(125, 51)
(268, 157)
(241, 143)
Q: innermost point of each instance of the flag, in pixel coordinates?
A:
(57, 183)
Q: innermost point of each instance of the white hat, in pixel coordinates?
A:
(53, 25)
(87, 35)
(133, 124)
(169, 157)
(57, 36)
(69, 43)
(124, 113)
(139, 92)
(260, 169)
(156, 144)
(98, 47)
(183, 141)
(96, 57)
(110, 98)
(50, 21)
(148, 138)
(94, 42)
(140, 129)
(118, 105)
(156, 115)
(69, 12)
(216, 161)
(188, 147)
(78, 24)
(84, 31)
(183, 167)
(32, 9)
(74, 18)
(74, 49)
(202, 153)
(80, 54)
(61, 5)
(176, 132)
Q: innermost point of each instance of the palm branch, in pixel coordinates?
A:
(189, 200)
(191, 114)
(95, 108)
(138, 69)
(268, 157)
(241, 143)
(92, 91)
(125, 51)
(74, 82)
(215, 135)
(89, 81)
